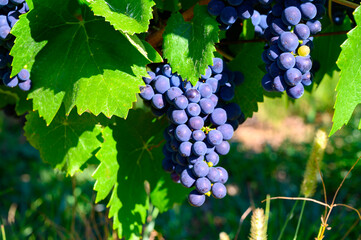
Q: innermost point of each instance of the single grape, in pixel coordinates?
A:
(214, 99)
(196, 199)
(293, 76)
(213, 83)
(212, 157)
(213, 175)
(218, 116)
(198, 135)
(227, 93)
(228, 15)
(162, 84)
(279, 84)
(256, 18)
(233, 111)
(314, 26)
(286, 61)
(182, 133)
(226, 130)
(223, 148)
(205, 90)
(181, 102)
(288, 42)
(308, 10)
(307, 79)
(217, 66)
(168, 165)
(196, 123)
(185, 149)
(215, 137)
(304, 51)
(147, 80)
(291, 16)
(10, 82)
(182, 161)
(219, 191)
(199, 148)
(167, 71)
(296, 91)
(304, 64)
(193, 109)
(302, 31)
(187, 178)
(223, 175)
(192, 159)
(215, 7)
(158, 101)
(207, 74)
(193, 95)
(273, 52)
(200, 169)
(175, 80)
(245, 11)
(175, 177)
(179, 117)
(207, 106)
(203, 185)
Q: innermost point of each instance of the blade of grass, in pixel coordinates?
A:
(299, 220)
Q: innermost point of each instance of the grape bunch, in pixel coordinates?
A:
(288, 61)
(202, 121)
(10, 11)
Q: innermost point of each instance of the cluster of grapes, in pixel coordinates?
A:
(227, 12)
(288, 60)
(9, 15)
(201, 123)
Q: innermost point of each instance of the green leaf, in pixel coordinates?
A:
(68, 142)
(249, 62)
(189, 46)
(7, 97)
(73, 59)
(130, 156)
(17, 97)
(349, 85)
(128, 16)
(168, 5)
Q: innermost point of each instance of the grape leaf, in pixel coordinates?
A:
(7, 97)
(167, 5)
(189, 46)
(249, 62)
(73, 59)
(131, 155)
(349, 85)
(130, 16)
(68, 142)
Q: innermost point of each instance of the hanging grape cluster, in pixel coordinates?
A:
(202, 121)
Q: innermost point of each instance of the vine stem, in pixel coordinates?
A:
(299, 220)
(347, 3)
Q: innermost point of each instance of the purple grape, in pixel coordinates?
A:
(215, 137)
(213, 175)
(288, 42)
(267, 82)
(286, 61)
(293, 77)
(179, 116)
(193, 95)
(245, 11)
(223, 175)
(217, 66)
(158, 101)
(215, 7)
(291, 16)
(196, 199)
(168, 165)
(181, 102)
(314, 26)
(182, 133)
(193, 109)
(279, 84)
(207, 74)
(214, 99)
(302, 31)
(296, 91)
(203, 185)
(304, 64)
(199, 148)
(175, 80)
(187, 178)
(213, 83)
(223, 148)
(200, 169)
(205, 90)
(212, 157)
(226, 130)
(218, 116)
(196, 123)
(167, 71)
(233, 111)
(198, 135)
(307, 79)
(226, 93)
(219, 191)
(207, 106)
(172, 93)
(185, 149)
(193, 159)
(162, 84)
(175, 177)
(308, 10)
(228, 15)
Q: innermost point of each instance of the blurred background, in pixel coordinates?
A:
(268, 156)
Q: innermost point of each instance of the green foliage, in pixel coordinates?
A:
(349, 86)
(189, 46)
(248, 61)
(68, 142)
(130, 159)
(128, 16)
(73, 57)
